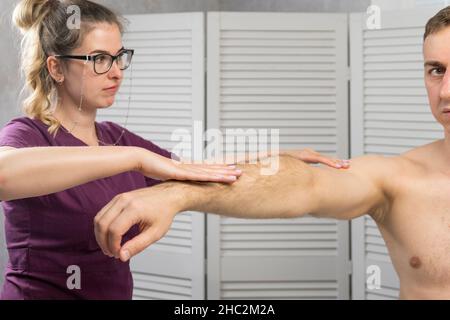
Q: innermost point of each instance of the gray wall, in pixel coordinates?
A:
(10, 83)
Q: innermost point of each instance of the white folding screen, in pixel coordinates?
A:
(167, 95)
(424, 3)
(286, 71)
(389, 115)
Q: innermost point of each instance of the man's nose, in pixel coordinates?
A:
(445, 88)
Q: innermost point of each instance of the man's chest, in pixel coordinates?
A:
(417, 229)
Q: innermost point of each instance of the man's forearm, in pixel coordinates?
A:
(285, 194)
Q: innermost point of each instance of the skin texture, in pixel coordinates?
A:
(407, 195)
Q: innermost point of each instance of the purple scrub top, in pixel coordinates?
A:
(46, 235)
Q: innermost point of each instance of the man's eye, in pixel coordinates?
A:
(436, 71)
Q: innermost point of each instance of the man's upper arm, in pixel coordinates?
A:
(353, 192)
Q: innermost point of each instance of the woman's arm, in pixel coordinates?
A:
(35, 171)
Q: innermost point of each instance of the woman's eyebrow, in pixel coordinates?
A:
(104, 51)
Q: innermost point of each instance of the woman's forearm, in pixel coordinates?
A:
(29, 172)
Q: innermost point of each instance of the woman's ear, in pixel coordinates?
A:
(54, 67)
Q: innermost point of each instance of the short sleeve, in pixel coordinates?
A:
(137, 141)
(18, 133)
(147, 144)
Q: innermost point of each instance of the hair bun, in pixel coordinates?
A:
(27, 13)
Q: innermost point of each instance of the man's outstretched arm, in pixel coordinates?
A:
(295, 190)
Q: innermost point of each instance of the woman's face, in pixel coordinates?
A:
(103, 38)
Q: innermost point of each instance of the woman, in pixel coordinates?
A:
(59, 167)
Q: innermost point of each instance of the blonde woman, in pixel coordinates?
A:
(59, 167)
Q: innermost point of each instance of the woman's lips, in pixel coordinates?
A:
(111, 89)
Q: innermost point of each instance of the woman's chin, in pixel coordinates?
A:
(106, 103)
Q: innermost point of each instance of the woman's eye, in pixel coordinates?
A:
(100, 59)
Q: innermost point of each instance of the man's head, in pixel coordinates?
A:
(436, 52)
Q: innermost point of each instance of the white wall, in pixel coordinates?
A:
(390, 5)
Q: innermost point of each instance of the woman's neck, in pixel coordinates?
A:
(80, 124)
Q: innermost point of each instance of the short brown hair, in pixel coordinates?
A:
(438, 22)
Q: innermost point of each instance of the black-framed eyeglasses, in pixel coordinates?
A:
(103, 61)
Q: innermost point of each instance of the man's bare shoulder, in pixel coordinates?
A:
(412, 162)
(420, 157)
(374, 166)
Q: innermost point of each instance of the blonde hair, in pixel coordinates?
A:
(43, 24)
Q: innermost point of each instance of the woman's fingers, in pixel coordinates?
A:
(337, 163)
(212, 176)
(206, 173)
(311, 156)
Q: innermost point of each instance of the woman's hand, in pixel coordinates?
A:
(158, 167)
(310, 156)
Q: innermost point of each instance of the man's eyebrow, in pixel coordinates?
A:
(104, 51)
(433, 64)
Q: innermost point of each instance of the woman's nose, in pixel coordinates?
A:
(115, 71)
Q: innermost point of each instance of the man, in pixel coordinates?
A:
(407, 195)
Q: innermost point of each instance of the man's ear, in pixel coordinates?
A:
(55, 68)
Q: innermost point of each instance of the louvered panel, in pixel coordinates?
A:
(286, 290)
(327, 123)
(239, 139)
(386, 83)
(155, 287)
(166, 94)
(179, 237)
(383, 293)
(432, 3)
(390, 116)
(271, 107)
(274, 115)
(389, 133)
(375, 246)
(429, 126)
(307, 236)
(282, 72)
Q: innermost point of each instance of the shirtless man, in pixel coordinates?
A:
(407, 195)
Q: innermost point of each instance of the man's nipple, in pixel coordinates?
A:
(415, 262)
